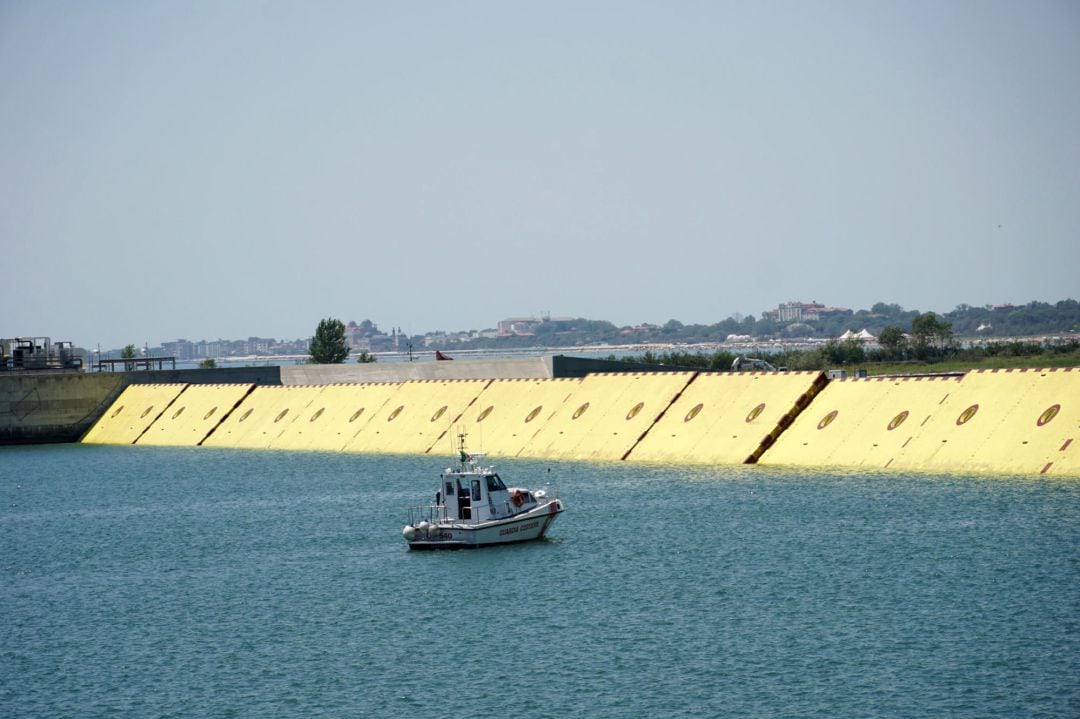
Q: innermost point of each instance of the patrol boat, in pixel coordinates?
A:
(474, 508)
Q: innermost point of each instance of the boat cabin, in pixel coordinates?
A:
(479, 496)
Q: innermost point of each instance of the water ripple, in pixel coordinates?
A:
(193, 583)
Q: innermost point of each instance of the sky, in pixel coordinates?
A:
(205, 170)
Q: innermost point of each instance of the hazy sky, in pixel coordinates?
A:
(226, 169)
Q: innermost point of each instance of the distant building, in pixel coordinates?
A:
(644, 328)
(368, 337)
(803, 312)
(180, 349)
(527, 325)
(518, 326)
(258, 345)
(209, 349)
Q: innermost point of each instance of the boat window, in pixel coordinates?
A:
(494, 483)
(476, 490)
(449, 489)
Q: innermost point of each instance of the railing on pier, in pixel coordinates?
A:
(134, 364)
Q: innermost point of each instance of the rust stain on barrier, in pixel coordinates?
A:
(827, 419)
(967, 414)
(755, 412)
(1048, 415)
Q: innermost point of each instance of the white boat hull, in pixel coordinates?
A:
(522, 527)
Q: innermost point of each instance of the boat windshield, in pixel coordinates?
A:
(494, 484)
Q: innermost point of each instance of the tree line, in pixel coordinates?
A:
(902, 335)
(1032, 319)
(931, 341)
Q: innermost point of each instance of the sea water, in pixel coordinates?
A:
(160, 582)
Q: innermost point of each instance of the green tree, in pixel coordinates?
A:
(328, 345)
(208, 363)
(892, 341)
(886, 310)
(128, 353)
(842, 352)
(365, 358)
(930, 335)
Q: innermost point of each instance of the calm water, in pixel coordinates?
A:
(202, 583)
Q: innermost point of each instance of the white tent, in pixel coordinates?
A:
(862, 336)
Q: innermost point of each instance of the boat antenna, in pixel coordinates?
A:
(461, 444)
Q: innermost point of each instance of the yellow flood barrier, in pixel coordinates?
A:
(607, 415)
(861, 422)
(261, 417)
(195, 412)
(1016, 421)
(416, 417)
(335, 415)
(509, 413)
(727, 417)
(132, 413)
(302, 413)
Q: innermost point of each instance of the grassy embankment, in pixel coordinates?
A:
(1016, 355)
(966, 364)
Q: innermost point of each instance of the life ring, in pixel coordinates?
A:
(517, 498)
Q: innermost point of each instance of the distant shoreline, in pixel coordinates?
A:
(603, 351)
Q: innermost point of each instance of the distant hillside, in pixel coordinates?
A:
(1030, 320)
